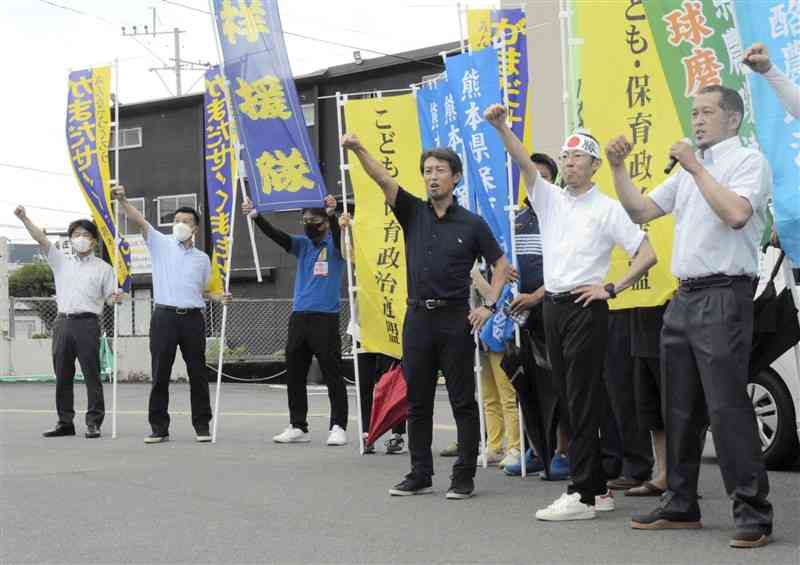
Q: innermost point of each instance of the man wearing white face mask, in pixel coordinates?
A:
(180, 277)
(83, 283)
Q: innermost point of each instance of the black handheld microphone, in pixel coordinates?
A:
(672, 160)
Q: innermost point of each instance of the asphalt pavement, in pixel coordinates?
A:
(248, 500)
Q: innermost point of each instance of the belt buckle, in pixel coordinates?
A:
(181, 311)
(430, 304)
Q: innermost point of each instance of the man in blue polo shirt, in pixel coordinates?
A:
(314, 324)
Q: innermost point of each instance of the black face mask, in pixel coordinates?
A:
(312, 230)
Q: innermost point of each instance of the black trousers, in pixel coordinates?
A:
(170, 330)
(77, 338)
(637, 451)
(315, 334)
(436, 340)
(648, 389)
(371, 367)
(705, 353)
(576, 344)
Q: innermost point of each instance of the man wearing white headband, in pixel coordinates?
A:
(580, 227)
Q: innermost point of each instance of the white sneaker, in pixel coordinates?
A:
(511, 458)
(292, 435)
(337, 436)
(604, 502)
(566, 507)
(492, 458)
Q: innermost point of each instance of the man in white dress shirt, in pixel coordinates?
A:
(719, 199)
(580, 226)
(84, 282)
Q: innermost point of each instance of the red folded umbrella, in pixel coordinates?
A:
(389, 403)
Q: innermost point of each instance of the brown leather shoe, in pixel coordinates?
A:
(623, 483)
(748, 539)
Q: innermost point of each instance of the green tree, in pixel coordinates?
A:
(35, 281)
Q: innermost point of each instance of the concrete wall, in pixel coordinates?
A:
(33, 357)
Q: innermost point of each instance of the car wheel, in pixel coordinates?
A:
(775, 418)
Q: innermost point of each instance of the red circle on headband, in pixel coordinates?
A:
(573, 141)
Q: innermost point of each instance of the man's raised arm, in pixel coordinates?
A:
(496, 116)
(118, 194)
(640, 208)
(35, 232)
(374, 169)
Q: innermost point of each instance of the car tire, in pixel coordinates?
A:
(775, 417)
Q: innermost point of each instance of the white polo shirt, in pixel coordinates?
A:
(579, 233)
(704, 245)
(82, 285)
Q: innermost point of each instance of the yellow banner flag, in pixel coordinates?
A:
(629, 97)
(388, 128)
(88, 130)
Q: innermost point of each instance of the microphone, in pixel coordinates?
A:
(672, 160)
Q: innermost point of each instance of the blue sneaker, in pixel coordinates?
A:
(559, 469)
(532, 465)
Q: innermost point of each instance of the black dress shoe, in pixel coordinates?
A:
(60, 430)
(92, 431)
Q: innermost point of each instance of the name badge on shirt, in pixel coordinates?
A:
(321, 269)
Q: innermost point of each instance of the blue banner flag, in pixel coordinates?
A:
(284, 173)
(438, 125)
(474, 86)
(776, 24)
(220, 175)
(499, 329)
(88, 135)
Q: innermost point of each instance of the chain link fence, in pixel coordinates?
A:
(256, 329)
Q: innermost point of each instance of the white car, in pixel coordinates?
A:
(775, 392)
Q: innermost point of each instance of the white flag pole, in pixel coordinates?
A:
(228, 260)
(513, 244)
(343, 168)
(115, 368)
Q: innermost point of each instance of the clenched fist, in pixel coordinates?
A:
(495, 115)
(618, 150)
(350, 141)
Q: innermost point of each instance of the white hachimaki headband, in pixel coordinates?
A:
(581, 142)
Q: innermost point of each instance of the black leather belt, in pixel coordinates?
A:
(435, 303)
(712, 281)
(77, 315)
(559, 297)
(179, 311)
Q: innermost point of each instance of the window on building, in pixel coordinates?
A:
(310, 114)
(166, 206)
(127, 227)
(129, 138)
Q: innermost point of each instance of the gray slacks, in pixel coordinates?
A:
(705, 353)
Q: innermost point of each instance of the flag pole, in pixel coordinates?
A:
(343, 168)
(512, 234)
(115, 369)
(563, 15)
(228, 261)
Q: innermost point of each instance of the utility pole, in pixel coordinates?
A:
(179, 64)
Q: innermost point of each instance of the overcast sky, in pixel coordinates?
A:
(42, 40)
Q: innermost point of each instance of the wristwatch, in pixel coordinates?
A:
(611, 290)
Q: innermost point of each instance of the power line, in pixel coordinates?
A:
(320, 40)
(34, 169)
